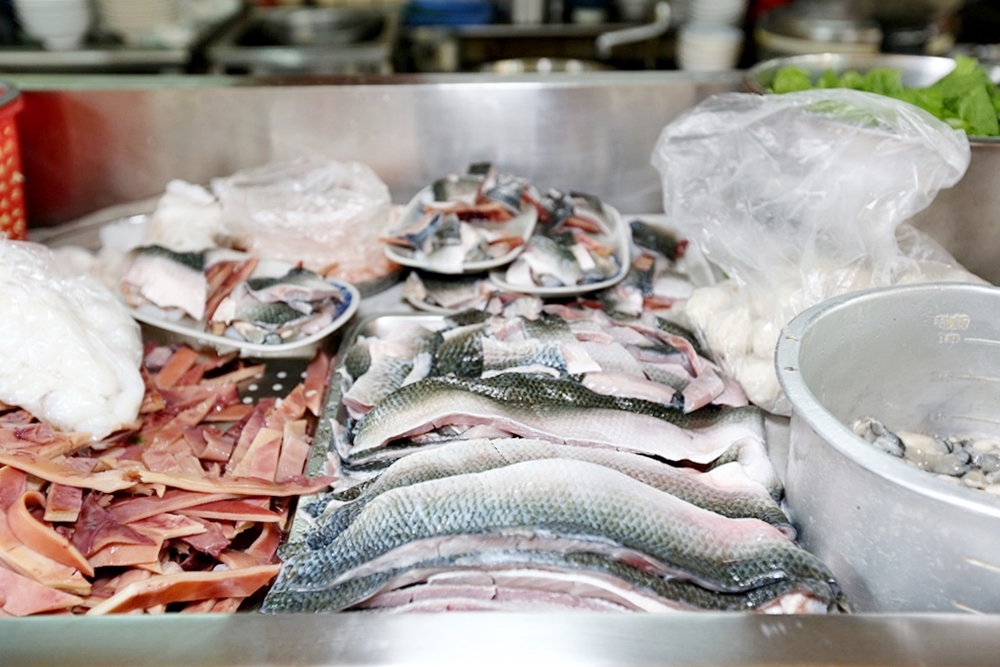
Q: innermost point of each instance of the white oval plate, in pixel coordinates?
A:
(425, 307)
(527, 218)
(188, 330)
(621, 236)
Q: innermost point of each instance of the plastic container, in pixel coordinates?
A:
(13, 219)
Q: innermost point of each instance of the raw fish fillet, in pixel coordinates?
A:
(579, 500)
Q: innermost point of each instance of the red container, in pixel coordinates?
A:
(13, 220)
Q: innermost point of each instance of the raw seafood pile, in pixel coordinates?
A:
(654, 282)
(478, 216)
(566, 461)
(975, 461)
(219, 290)
(453, 294)
(183, 511)
(70, 353)
(573, 244)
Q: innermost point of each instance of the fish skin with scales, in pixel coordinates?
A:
(558, 410)
(468, 456)
(556, 497)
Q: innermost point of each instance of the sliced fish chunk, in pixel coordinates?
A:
(167, 279)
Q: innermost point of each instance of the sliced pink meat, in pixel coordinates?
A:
(295, 447)
(29, 563)
(240, 486)
(317, 377)
(63, 503)
(107, 481)
(128, 510)
(24, 597)
(187, 587)
(12, 485)
(232, 510)
(168, 526)
(97, 528)
(42, 538)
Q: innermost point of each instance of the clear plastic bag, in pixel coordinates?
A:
(313, 210)
(797, 198)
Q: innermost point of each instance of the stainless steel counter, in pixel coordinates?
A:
(92, 143)
(500, 639)
(86, 149)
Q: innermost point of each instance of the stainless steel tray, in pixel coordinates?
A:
(333, 410)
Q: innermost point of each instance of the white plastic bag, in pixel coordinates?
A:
(70, 352)
(798, 198)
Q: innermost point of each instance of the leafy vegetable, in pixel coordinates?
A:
(966, 98)
(791, 79)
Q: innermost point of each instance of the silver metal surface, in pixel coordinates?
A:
(308, 26)
(93, 59)
(922, 358)
(88, 149)
(965, 219)
(822, 21)
(307, 40)
(542, 66)
(500, 640)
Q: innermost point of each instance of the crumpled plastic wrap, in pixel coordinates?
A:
(70, 353)
(798, 198)
(322, 213)
(312, 210)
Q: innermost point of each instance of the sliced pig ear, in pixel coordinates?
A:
(187, 587)
(24, 597)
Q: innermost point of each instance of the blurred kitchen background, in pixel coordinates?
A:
(374, 37)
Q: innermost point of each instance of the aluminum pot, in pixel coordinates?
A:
(922, 358)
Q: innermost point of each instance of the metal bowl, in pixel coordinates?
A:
(922, 358)
(319, 26)
(916, 71)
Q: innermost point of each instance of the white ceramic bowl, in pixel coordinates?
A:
(58, 24)
(718, 11)
(709, 46)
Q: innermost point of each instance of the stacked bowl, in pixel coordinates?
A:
(711, 36)
(135, 20)
(728, 12)
(708, 46)
(58, 24)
